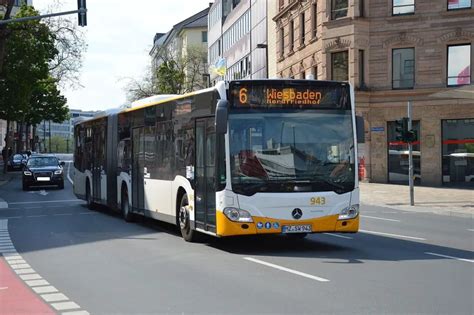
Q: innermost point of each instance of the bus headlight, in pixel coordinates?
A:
(349, 212)
(237, 215)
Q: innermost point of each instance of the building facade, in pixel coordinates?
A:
(238, 35)
(186, 42)
(393, 52)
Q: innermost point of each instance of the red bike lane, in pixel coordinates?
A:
(16, 297)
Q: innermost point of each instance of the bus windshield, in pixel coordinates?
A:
(292, 151)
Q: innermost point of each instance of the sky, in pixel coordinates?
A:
(119, 35)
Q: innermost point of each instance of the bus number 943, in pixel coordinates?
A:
(318, 201)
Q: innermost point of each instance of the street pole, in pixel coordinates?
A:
(410, 159)
(50, 136)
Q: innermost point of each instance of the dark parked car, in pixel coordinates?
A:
(43, 170)
(14, 163)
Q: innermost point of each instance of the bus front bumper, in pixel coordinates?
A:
(262, 225)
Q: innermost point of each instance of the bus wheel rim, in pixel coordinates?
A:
(183, 218)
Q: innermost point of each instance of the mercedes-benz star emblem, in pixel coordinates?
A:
(297, 213)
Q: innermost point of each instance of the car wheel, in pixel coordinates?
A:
(187, 232)
(126, 209)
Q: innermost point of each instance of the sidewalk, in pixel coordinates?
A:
(446, 201)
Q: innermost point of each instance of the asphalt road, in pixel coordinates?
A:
(401, 263)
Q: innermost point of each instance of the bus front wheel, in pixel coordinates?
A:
(187, 232)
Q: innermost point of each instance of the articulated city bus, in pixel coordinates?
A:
(249, 157)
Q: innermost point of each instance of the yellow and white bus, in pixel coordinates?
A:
(243, 157)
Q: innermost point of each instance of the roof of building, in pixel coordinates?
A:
(197, 20)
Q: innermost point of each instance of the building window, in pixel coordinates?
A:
(459, 64)
(339, 9)
(361, 69)
(281, 4)
(340, 66)
(458, 150)
(315, 72)
(204, 36)
(459, 4)
(292, 36)
(403, 68)
(401, 7)
(398, 155)
(314, 19)
(302, 29)
(303, 75)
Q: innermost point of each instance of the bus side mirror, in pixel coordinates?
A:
(360, 128)
(221, 116)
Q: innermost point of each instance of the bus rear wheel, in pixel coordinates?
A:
(125, 205)
(184, 221)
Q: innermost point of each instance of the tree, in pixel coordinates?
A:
(4, 31)
(28, 50)
(172, 74)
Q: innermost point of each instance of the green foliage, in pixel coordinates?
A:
(469, 147)
(47, 103)
(170, 78)
(59, 145)
(29, 49)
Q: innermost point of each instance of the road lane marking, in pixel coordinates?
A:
(33, 276)
(44, 201)
(54, 297)
(76, 313)
(64, 306)
(299, 273)
(340, 236)
(46, 289)
(472, 230)
(37, 216)
(450, 257)
(59, 214)
(37, 283)
(15, 217)
(393, 235)
(378, 218)
(40, 286)
(68, 176)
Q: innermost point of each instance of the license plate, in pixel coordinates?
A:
(296, 228)
(43, 179)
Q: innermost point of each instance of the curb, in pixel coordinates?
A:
(420, 209)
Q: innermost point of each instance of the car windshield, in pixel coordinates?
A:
(42, 161)
(296, 151)
(18, 157)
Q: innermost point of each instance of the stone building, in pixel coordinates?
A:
(393, 52)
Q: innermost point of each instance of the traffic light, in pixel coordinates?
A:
(401, 129)
(82, 14)
(411, 136)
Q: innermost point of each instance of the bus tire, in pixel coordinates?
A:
(89, 202)
(187, 232)
(125, 206)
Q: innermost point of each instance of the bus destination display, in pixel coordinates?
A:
(293, 96)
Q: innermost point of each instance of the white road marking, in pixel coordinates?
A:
(43, 192)
(299, 273)
(37, 216)
(340, 236)
(23, 271)
(76, 313)
(54, 297)
(450, 257)
(37, 283)
(47, 289)
(68, 176)
(3, 288)
(15, 217)
(472, 230)
(19, 266)
(62, 306)
(59, 214)
(378, 218)
(45, 201)
(393, 235)
(31, 278)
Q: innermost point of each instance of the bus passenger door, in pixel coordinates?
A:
(138, 153)
(205, 175)
(97, 166)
